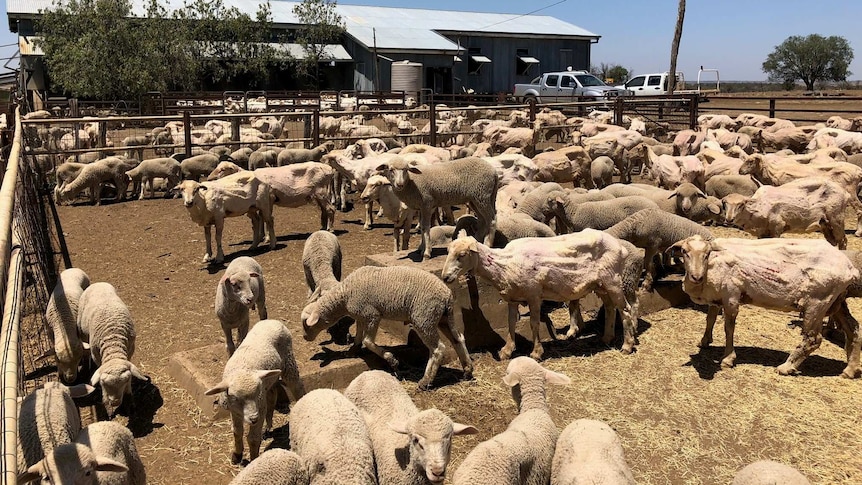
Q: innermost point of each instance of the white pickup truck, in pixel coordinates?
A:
(656, 84)
(561, 87)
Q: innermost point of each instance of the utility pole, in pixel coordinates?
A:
(674, 49)
(376, 62)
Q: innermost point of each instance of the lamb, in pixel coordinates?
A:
(239, 290)
(589, 451)
(328, 432)
(712, 121)
(727, 139)
(321, 260)
(136, 144)
(599, 214)
(401, 293)
(264, 157)
(687, 142)
(601, 172)
(470, 180)
(803, 205)
(62, 317)
(104, 454)
(570, 164)
(721, 186)
(246, 387)
(523, 138)
(198, 166)
(561, 268)
(655, 230)
(209, 203)
(380, 189)
(106, 324)
(804, 275)
(768, 472)
(795, 139)
(510, 226)
(523, 453)
(290, 156)
(293, 185)
(275, 465)
(148, 170)
(93, 175)
(411, 447)
(48, 418)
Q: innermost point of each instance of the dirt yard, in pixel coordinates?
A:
(681, 418)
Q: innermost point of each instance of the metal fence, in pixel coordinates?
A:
(28, 264)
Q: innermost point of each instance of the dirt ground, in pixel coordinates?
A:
(681, 419)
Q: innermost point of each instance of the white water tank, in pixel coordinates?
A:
(407, 77)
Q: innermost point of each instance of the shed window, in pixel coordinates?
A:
(523, 62)
(476, 61)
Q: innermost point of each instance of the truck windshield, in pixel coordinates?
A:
(588, 80)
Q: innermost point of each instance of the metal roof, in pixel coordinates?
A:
(395, 28)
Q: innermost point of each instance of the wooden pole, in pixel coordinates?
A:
(376, 62)
(674, 48)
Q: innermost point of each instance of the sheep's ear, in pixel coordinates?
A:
(49, 353)
(700, 193)
(756, 182)
(473, 246)
(33, 473)
(80, 390)
(675, 247)
(137, 373)
(714, 208)
(311, 316)
(672, 194)
(268, 377)
(220, 387)
(462, 429)
(108, 465)
(556, 378)
(398, 427)
(414, 169)
(96, 375)
(254, 275)
(382, 167)
(511, 380)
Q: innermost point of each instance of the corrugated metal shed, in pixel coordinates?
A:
(396, 28)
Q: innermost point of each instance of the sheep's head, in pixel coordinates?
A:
(686, 195)
(463, 257)
(244, 393)
(188, 189)
(115, 378)
(731, 205)
(240, 287)
(71, 463)
(430, 433)
(524, 372)
(373, 187)
(398, 172)
(752, 164)
(695, 255)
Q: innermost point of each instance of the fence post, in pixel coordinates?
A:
(693, 107)
(772, 107)
(234, 133)
(187, 131)
(619, 107)
(531, 108)
(315, 126)
(103, 134)
(432, 118)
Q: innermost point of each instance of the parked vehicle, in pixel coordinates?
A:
(560, 87)
(656, 84)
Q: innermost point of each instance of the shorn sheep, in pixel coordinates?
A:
(329, 433)
(246, 388)
(523, 453)
(562, 268)
(804, 275)
(399, 293)
(768, 472)
(103, 454)
(589, 451)
(467, 180)
(239, 290)
(106, 324)
(397, 428)
(321, 261)
(48, 418)
(62, 316)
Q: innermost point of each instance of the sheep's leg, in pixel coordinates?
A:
(852, 340)
(711, 316)
(219, 229)
(436, 348)
(812, 326)
(451, 332)
(535, 314)
(369, 215)
(261, 304)
(731, 309)
(208, 235)
(144, 185)
(610, 318)
(425, 245)
(269, 220)
(327, 214)
(271, 397)
(649, 277)
(236, 426)
(242, 329)
(576, 321)
(255, 436)
(405, 234)
(230, 346)
(627, 311)
(506, 351)
(396, 237)
(370, 344)
(256, 229)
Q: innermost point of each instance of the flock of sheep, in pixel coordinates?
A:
(526, 234)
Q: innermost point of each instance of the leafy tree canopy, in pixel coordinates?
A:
(811, 58)
(101, 49)
(321, 24)
(616, 72)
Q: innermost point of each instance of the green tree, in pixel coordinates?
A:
(618, 73)
(320, 24)
(811, 58)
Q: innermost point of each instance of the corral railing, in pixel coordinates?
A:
(799, 109)
(29, 267)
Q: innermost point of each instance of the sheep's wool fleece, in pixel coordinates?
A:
(275, 466)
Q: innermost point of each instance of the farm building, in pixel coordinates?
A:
(445, 51)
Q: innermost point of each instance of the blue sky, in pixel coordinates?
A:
(734, 36)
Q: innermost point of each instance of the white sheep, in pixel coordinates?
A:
(106, 324)
(148, 170)
(768, 472)
(239, 290)
(48, 418)
(380, 189)
(275, 465)
(400, 293)
(93, 175)
(321, 261)
(589, 451)
(329, 433)
(804, 275)
(562, 268)
(62, 317)
(523, 453)
(411, 447)
(198, 166)
(209, 203)
(467, 180)
(104, 454)
(246, 388)
(299, 155)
